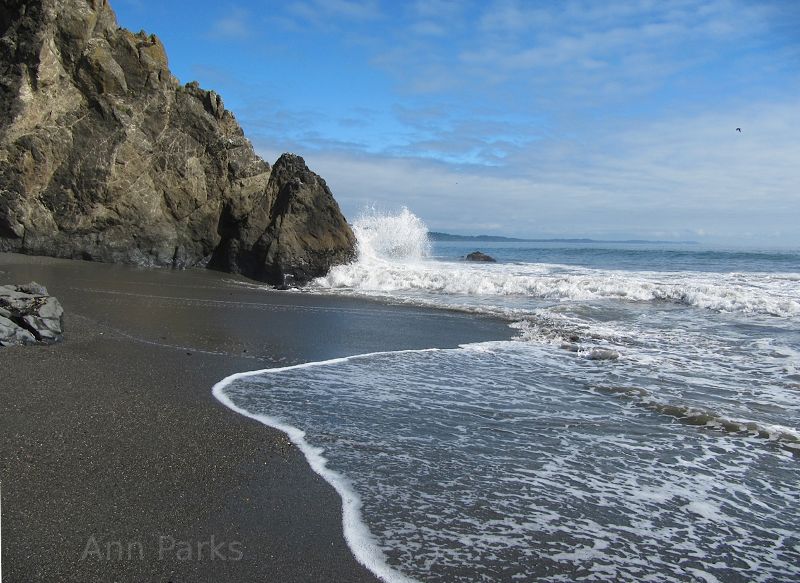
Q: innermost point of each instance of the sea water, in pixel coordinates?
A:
(642, 426)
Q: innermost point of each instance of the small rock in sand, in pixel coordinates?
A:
(28, 315)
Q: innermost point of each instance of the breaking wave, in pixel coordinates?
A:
(394, 259)
(391, 238)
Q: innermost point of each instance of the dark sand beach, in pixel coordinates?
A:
(117, 463)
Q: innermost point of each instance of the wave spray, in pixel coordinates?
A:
(391, 237)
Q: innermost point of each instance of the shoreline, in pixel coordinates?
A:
(356, 533)
(114, 435)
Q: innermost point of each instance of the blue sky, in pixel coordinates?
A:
(576, 118)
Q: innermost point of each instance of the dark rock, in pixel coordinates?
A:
(104, 156)
(478, 256)
(603, 354)
(301, 238)
(28, 315)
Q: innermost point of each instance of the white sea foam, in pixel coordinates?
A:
(718, 292)
(388, 237)
(501, 458)
(531, 458)
(393, 259)
(358, 537)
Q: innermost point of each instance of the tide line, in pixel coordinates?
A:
(356, 533)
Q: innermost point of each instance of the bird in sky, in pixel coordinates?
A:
(739, 130)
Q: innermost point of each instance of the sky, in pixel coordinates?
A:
(613, 119)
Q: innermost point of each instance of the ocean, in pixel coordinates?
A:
(642, 425)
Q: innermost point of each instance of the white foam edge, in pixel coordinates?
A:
(356, 533)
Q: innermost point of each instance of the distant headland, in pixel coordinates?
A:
(438, 236)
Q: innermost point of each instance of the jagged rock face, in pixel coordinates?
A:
(28, 315)
(104, 156)
(300, 239)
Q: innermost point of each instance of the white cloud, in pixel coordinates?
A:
(438, 9)
(683, 178)
(614, 48)
(235, 25)
(334, 13)
(428, 28)
(573, 118)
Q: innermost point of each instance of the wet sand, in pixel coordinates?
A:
(117, 464)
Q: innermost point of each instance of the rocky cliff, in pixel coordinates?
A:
(105, 156)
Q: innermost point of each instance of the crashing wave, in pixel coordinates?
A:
(394, 257)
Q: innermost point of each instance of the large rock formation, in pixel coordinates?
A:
(293, 230)
(104, 156)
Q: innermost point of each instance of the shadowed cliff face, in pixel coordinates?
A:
(104, 156)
